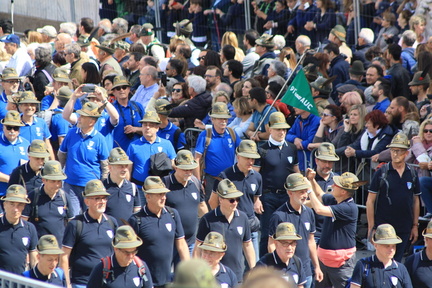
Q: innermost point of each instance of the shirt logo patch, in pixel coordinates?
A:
(394, 280)
(160, 149)
(167, 136)
(38, 131)
(240, 230)
(296, 278)
(102, 122)
(409, 185)
(194, 195)
(22, 151)
(60, 209)
(307, 225)
(136, 281)
(90, 145)
(25, 240)
(253, 187)
(110, 233)
(290, 159)
(168, 226)
(224, 285)
(128, 197)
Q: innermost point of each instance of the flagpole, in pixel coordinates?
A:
(280, 92)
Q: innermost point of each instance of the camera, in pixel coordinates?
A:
(88, 88)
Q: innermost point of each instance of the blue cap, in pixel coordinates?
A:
(11, 38)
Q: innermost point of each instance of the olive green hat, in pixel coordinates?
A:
(150, 116)
(52, 170)
(277, 121)
(265, 40)
(38, 149)
(427, 232)
(64, 93)
(286, 231)
(296, 182)
(400, 140)
(12, 118)
(16, 193)
(184, 26)
(154, 185)
(125, 237)
(420, 79)
(107, 47)
(61, 75)
(9, 74)
(323, 85)
(326, 151)
(123, 45)
(94, 188)
(248, 149)
(386, 234)
(147, 30)
(214, 241)
(118, 156)
(90, 109)
(28, 97)
(357, 68)
(226, 189)
(348, 181)
(48, 244)
(194, 273)
(163, 107)
(120, 81)
(340, 32)
(185, 160)
(83, 41)
(220, 110)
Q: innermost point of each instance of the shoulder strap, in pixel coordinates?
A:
(108, 218)
(206, 145)
(34, 206)
(79, 227)
(176, 137)
(134, 189)
(136, 108)
(138, 219)
(383, 181)
(106, 270)
(297, 263)
(232, 134)
(170, 210)
(413, 175)
(416, 261)
(47, 75)
(63, 196)
(141, 268)
(197, 183)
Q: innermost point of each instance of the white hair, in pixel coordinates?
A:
(68, 28)
(197, 83)
(279, 42)
(367, 34)
(304, 40)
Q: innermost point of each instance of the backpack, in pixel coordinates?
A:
(34, 214)
(79, 225)
(177, 134)
(107, 269)
(366, 270)
(165, 48)
(138, 218)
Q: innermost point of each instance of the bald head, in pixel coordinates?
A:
(61, 41)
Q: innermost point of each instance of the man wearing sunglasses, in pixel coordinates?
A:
(233, 224)
(10, 83)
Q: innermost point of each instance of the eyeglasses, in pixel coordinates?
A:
(288, 243)
(326, 115)
(397, 151)
(201, 58)
(16, 128)
(118, 88)
(177, 90)
(128, 252)
(427, 130)
(234, 200)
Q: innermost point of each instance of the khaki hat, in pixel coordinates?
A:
(94, 188)
(52, 170)
(348, 181)
(83, 41)
(185, 160)
(194, 273)
(48, 244)
(220, 110)
(248, 149)
(10, 74)
(357, 68)
(38, 149)
(48, 30)
(107, 47)
(419, 79)
(322, 85)
(28, 97)
(311, 72)
(326, 151)
(16, 193)
(163, 107)
(90, 109)
(265, 40)
(184, 26)
(154, 184)
(340, 32)
(214, 241)
(118, 157)
(147, 30)
(227, 190)
(150, 116)
(400, 140)
(296, 182)
(123, 45)
(386, 234)
(277, 121)
(61, 75)
(120, 81)
(286, 231)
(427, 232)
(64, 93)
(12, 118)
(125, 237)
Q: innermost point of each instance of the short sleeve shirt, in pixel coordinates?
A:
(273, 260)
(37, 130)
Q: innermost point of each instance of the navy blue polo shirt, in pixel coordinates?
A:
(273, 260)
(325, 185)
(401, 192)
(158, 235)
(121, 276)
(304, 223)
(168, 133)
(276, 164)
(139, 153)
(16, 241)
(421, 275)
(55, 277)
(251, 186)
(37, 130)
(235, 233)
(83, 156)
(185, 200)
(31, 179)
(122, 200)
(375, 275)
(220, 153)
(339, 231)
(51, 213)
(226, 277)
(128, 115)
(94, 243)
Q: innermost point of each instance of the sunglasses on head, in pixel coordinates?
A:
(234, 200)
(118, 88)
(16, 128)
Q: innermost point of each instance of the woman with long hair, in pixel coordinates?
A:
(230, 38)
(244, 116)
(330, 128)
(90, 73)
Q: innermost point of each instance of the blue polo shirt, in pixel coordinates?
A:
(104, 126)
(128, 115)
(185, 200)
(26, 177)
(3, 104)
(121, 276)
(257, 117)
(168, 133)
(94, 243)
(250, 185)
(235, 232)
(273, 260)
(401, 191)
(158, 235)
(10, 156)
(370, 273)
(36, 130)
(339, 231)
(52, 213)
(48, 100)
(122, 200)
(382, 106)
(59, 126)
(139, 153)
(220, 153)
(304, 223)
(83, 156)
(56, 278)
(226, 277)
(421, 274)
(16, 241)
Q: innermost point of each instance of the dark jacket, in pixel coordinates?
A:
(303, 16)
(281, 19)
(359, 54)
(400, 77)
(195, 108)
(324, 24)
(40, 79)
(383, 138)
(339, 67)
(232, 20)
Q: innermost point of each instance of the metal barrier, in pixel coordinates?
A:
(13, 280)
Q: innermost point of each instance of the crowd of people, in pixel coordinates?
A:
(123, 155)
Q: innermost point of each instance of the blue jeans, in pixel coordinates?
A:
(308, 283)
(78, 286)
(255, 243)
(426, 188)
(76, 199)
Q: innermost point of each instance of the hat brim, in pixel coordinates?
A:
(211, 248)
(280, 126)
(336, 180)
(61, 79)
(128, 244)
(395, 145)
(15, 199)
(121, 162)
(106, 49)
(121, 84)
(187, 166)
(287, 237)
(29, 102)
(156, 190)
(424, 234)
(220, 116)
(249, 155)
(328, 158)
(51, 252)
(260, 43)
(11, 78)
(57, 177)
(80, 112)
(7, 123)
(231, 195)
(98, 193)
(396, 240)
(298, 188)
(149, 120)
(38, 155)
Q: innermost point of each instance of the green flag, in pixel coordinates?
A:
(299, 94)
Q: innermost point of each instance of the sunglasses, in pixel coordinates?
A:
(200, 58)
(16, 128)
(118, 88)
(234, 200)
(326, 115)
(427, 130)
(177, 90)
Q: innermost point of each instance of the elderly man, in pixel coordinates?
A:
(148, 87)
(73, 57)
(19, 60)
(10, 81)
(61, 41)
(107, 60)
